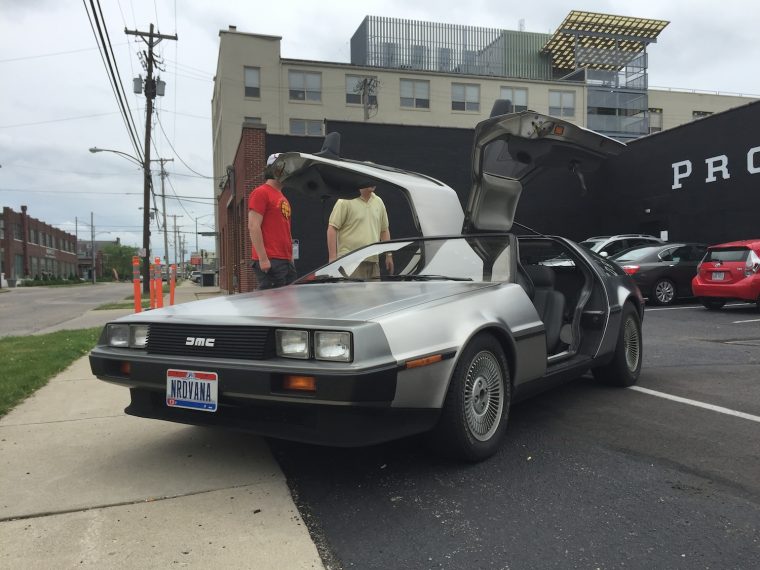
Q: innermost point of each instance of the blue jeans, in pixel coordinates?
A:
(282, 273)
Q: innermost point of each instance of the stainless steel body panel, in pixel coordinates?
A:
(448, 324)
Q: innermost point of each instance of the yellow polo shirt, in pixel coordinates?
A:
(359, 223)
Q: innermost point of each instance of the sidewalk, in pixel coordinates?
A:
(84, 485)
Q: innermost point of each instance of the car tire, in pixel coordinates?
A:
(663, 292)
(475, 412)
(624, 368)
(712, 303)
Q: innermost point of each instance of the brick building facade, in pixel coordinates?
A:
(30, 248)
(235, 273)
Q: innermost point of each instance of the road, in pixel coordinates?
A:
(26, 310)
(588, 476)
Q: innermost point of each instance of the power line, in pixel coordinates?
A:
(115, 86)
(57, 120)
(53, 54)
(180, 158)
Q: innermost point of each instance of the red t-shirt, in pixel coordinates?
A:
(275, 225)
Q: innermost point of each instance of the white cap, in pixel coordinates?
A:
(272, 158)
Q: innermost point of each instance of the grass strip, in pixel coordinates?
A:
(123, 305)
(30, 361)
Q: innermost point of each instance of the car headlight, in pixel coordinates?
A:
(292, 343)
(332, 345)
(118, 335)
(127, 336)
(138, 336)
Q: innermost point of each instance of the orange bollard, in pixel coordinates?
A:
(172, 283)
(136, 283)
(159, 285)
(152, 286)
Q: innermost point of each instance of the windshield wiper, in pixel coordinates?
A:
(332, 279)
(421, 277)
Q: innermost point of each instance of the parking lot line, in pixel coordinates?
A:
(749, 321)
(691, 307)
(697, 404)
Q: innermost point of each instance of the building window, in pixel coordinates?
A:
(517, 95)
(252, 82)
(700, 114)
(356, 85)
(306, 127)
(562, 103)
(655, 120)
(415, 94)
(465, 97)
(305, 86)
(17, 231)
(256, 120)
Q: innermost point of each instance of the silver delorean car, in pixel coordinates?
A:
(471, 319)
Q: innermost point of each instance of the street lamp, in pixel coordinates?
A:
(145, 164)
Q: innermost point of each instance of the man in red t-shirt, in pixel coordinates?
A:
(269, 225)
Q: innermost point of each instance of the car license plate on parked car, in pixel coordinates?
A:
(718, 275)
(192, 389)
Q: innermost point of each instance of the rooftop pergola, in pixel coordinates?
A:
(600, 41)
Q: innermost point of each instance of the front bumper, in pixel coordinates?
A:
(347, 409)
(748, 289)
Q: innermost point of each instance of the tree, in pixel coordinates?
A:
(118, 257)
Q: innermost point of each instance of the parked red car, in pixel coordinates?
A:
(729, 271)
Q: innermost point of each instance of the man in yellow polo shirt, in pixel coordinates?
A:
(356, 223)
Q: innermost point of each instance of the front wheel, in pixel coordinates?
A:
(624, 368)
(712, 303)
(664, 292)
(474, 414)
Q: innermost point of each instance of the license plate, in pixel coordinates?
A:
(192, 389)
(718, 275)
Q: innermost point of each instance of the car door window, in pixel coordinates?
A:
(616, 247)
(696, 253)
(667, 255)
(680, 254)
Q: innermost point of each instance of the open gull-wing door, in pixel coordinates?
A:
(435, 206)
(511, 151)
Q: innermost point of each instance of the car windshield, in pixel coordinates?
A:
(727, 254)
(467, 258)
(635, 254)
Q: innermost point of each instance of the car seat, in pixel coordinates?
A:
(549, 303)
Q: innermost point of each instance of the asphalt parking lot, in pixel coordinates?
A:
(664, 475)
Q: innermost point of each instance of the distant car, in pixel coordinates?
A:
(662, 272)
(195, 276)
(607, 246)
(469, 320)
(729, 271)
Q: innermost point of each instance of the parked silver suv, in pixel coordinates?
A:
(611, 245)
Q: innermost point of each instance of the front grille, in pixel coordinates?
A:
(246, 343)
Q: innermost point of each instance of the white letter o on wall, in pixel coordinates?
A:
(752, 168)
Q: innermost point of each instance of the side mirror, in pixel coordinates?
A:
(604, 254)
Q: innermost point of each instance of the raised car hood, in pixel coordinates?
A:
(435, 206)
(511, 151)
(308, 304)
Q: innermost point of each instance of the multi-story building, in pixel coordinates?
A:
(30, 248)
(592, 71)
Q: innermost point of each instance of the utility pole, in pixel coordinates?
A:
(151, 39)
(163, 201)
(92, 245)
(176, 235)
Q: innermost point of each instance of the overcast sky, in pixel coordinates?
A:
(56, 102)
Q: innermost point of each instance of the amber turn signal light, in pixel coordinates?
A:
(301, 383)
(424, 361)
